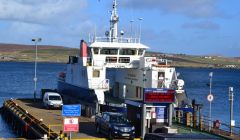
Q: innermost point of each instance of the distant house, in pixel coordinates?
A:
(208, 57)
(230, 66)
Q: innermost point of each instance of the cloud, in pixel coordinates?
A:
(39, 11)
(205, 25)
(189, 8)
(56, 21)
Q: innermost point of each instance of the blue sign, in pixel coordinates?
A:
(159, 112)
(71, 110)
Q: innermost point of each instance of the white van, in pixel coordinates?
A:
(52, 100)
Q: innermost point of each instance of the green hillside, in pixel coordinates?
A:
(26, 53)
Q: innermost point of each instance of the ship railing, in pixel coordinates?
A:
(204, 124)
(119, 40)
(95, 84)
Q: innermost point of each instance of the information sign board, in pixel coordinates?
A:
(71, 110)
(156, 95)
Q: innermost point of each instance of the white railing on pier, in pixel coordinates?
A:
(119, 40)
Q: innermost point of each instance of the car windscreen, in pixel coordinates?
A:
(57, 98)
(118, 119)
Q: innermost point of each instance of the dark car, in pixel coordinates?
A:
(115, 125)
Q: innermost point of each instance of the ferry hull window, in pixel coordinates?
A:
(128, 52)
(109, 51)
(95, 50)
(96, 73)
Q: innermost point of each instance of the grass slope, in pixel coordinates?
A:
(15, 52)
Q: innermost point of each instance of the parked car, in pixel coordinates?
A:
(115, 125)
(52, 100)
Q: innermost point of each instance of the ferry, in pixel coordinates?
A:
(87, 81)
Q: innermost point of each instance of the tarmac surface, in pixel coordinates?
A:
(54, 119)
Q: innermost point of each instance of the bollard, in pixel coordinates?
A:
(188, 119)
(45, 137)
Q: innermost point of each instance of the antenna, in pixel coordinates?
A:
(114, 22)
(140, 28)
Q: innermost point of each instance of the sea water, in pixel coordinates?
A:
(16, 81)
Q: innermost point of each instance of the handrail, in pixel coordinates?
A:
(118, 39)
(202, 124)
(31, 120)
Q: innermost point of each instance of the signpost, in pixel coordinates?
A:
(71, 120)
(232, 122)
(210, 99)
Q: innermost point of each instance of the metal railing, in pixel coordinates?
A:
(28, 119)
(119, 40)
(216, 127)
(54, 127)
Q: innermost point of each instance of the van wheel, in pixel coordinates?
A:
(48, 107)
(110, 136)
(131, 138)
(98, 129)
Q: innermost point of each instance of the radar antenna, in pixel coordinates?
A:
(114, 23)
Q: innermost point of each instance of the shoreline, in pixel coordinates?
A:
(55, 62)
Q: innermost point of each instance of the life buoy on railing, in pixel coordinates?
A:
(62, 74)
(217, 124)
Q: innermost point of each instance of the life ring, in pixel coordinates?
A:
(217, 124)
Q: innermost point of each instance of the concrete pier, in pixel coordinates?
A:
(32, 120)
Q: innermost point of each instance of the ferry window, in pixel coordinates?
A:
(140, 52)
(95, 50)
(124, 60)
(96, 73)
(127, 52)
(109, 51)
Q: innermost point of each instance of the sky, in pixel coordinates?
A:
(195, 27)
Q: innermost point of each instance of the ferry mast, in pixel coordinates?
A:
(114, 23)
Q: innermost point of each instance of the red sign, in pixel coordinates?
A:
(70, 125)
(159, 95)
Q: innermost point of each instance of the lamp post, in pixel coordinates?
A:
(232, 122)
(140, 28)
(131, 24)
(143, 126)
(35, 40)
(210, 100)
